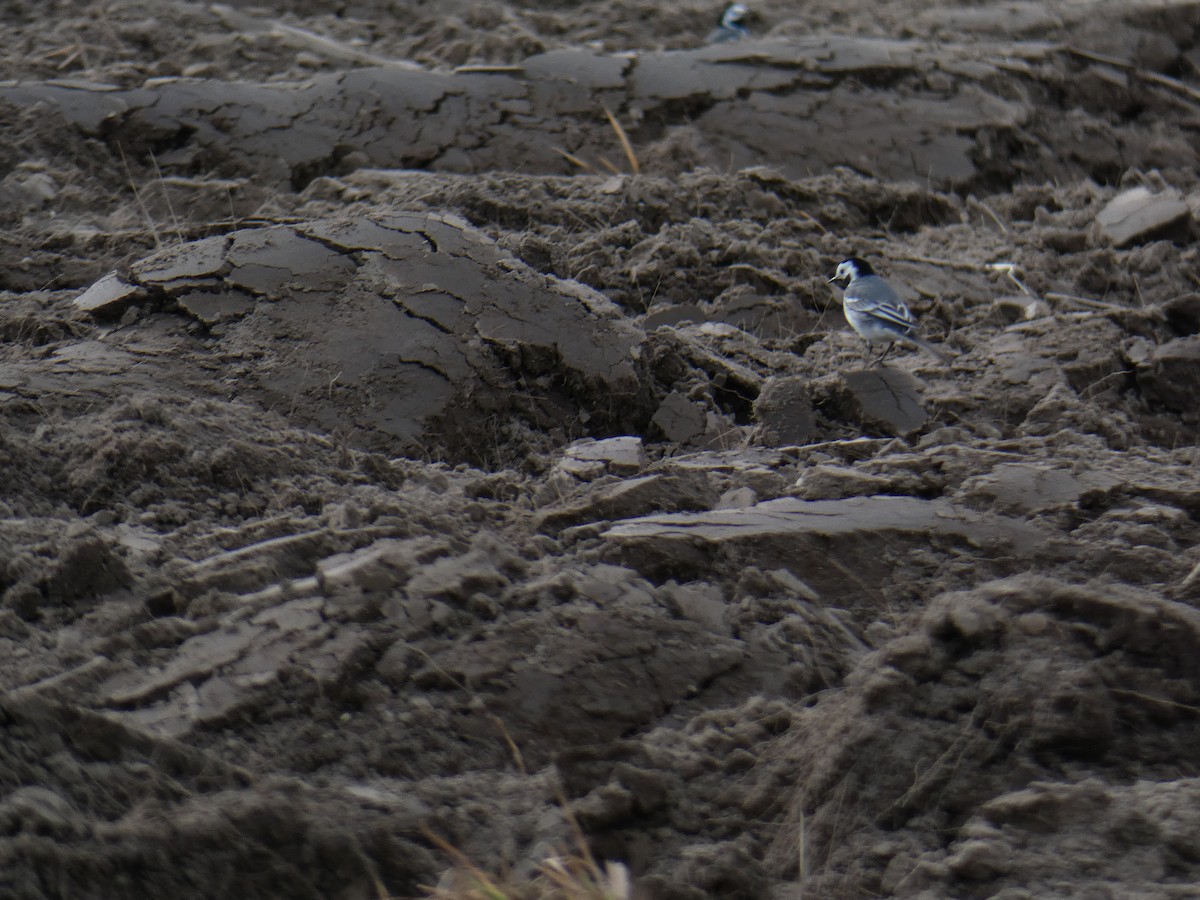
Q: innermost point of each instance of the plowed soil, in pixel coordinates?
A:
(430, 423)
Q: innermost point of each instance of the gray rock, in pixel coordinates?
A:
(820, 540)
(737, 498)
(108, 292)
(618, 455)
(631, 497)
(827, 482)
(680, 420)
(213, 673)
(881, 399)
(381, 566)
(1137, 215)
(1023, 488)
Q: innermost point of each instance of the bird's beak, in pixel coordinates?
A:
(832, 280)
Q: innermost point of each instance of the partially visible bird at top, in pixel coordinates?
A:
(875, 310)
(732, 26)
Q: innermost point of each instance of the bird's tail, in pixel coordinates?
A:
(937, 351)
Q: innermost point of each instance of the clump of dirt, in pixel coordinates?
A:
(1009, 704)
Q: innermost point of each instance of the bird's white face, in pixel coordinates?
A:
(734, 15)
(846, 271)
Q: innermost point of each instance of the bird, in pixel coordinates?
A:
(731, 27)
(875, 310)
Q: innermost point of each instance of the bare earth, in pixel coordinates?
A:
(381, 455)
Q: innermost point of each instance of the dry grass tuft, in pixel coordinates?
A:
(623, 138)
(635, 167)
(575, 876)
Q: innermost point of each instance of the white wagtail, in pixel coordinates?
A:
(875, 310)
(732, 27)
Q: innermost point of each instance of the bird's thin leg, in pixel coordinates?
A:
(883, 355)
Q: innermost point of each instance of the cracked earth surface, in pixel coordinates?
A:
(381, 456)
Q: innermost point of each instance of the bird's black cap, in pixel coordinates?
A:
(861, 267)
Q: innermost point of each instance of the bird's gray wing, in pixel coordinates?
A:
(875, 297)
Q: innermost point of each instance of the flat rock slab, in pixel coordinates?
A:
(1023, 488)
(398, 330)
(756, 102)
(835, 545)
(629, 497)
(1137, 215)
(618, 455)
